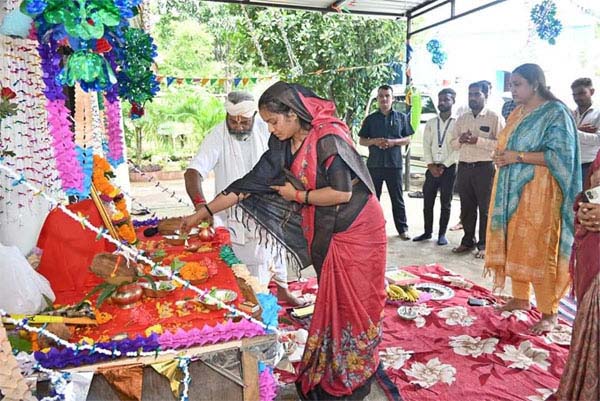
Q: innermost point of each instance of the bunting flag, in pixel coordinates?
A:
(243, 81)
(170, 370)
(126, 380)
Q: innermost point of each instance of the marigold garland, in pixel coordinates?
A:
(108, 193)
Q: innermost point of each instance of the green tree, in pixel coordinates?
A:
(329, 41)
(318, 41)
(187, 105)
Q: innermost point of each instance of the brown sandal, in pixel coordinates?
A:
(462, 249)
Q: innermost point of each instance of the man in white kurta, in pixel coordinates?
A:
(231, 149)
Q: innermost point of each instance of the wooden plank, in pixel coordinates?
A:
(250, 373)
(190, 352)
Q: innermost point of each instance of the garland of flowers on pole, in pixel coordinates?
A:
(59, 123)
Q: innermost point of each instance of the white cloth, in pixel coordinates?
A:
(232, 159)
(247, 108)
(449, 156)
(590, 142)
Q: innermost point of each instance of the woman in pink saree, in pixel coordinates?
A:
(312, 170)
(580, 377)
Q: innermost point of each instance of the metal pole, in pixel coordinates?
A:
(408, 79)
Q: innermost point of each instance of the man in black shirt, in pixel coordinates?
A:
(385, 132)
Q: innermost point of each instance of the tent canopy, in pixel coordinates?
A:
(382, 8)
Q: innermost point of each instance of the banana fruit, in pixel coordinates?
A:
(402, 293)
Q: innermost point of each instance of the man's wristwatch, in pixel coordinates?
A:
(520, 156)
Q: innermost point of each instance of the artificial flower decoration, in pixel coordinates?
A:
(543, 15)
(6, 107)
(137, 82)
(100, 50)
(91, 69)
(85, 19)
(438, 56)
(103, 45)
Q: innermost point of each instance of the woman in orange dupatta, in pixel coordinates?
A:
(579, 381)
(530, 227)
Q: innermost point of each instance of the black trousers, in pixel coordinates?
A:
(444, 184)
(474, 182)
(393, 181)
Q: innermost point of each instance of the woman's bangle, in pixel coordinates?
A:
(297, 197)
(306, 197)
(208, 210)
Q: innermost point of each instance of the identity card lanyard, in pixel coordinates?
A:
(441, 137)
(583, 116)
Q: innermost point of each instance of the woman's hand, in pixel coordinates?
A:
(503, 158)
(191, 221)
(589, 216)
(287, 191)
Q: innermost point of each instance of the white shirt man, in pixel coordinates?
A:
(587, 119)
(231, 149)
(441, 161)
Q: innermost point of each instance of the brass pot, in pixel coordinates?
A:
(127, 295)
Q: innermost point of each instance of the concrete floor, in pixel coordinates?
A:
(400, 253)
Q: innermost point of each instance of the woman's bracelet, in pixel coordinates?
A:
(306, 196)
(297, 197)
(208, 210)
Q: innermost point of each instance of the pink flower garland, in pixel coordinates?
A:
(70, 171)
(210, 335)
(114, 132)
(267, 385)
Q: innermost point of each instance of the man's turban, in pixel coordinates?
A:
(240, 103)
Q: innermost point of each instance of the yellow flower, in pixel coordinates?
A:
(354, 361)
(313, 342)
(157, 328)
(373, 332)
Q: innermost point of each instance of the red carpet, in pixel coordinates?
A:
(459, 352)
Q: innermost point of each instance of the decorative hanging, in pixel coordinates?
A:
(90, 43)
(543, 15)
(438, 56)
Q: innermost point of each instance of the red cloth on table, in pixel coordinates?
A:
(68, 250)
(167, 311)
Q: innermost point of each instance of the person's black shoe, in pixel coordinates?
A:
(404, 236)
(442, 240)
(422, 237)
